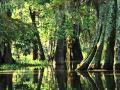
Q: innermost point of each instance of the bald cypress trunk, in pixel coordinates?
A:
(95, 63)
(117, 47)
(7, 56)
(74, 49)
(60, 55)
(103, 56)
(110, 35)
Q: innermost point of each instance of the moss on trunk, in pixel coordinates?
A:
(95, 63)
(117, 47)
(103, 55)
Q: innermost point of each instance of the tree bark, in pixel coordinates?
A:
(35, 50)
(76, 48)
(102, 55)
(38, 40)
(117, 47)
(95, 63)
(109, 36)
(60, 55)
(85, 63)
(7, 56)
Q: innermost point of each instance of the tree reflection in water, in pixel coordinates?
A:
(109, 80)
(75, 83)
(6, 81)
(61, 76)
(58, 79)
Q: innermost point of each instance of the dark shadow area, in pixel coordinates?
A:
(6, 81)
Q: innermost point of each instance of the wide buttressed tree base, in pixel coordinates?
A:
(103, 55)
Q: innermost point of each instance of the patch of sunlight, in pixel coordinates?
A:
(84, 55)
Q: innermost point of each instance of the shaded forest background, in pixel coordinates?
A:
(69, 32)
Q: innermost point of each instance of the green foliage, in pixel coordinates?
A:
(24, 64)
(54, 20)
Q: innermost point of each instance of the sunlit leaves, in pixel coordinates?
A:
(54, 20)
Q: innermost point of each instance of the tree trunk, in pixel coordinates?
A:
(117, 47)
(103, 55)
(1, 57)
(40, 47)
(38, 40)
(95, 63)
(60, 55)
(7, 56)
(76, 49)
(109, 56)
(52, 45)
(42, 55)
(110, 35)
(35, 50)
(85, 63)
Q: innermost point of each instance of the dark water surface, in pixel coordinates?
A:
(52, 79)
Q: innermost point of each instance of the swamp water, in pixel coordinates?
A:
(52, 79)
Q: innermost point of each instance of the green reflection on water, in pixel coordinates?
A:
(54, 79)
